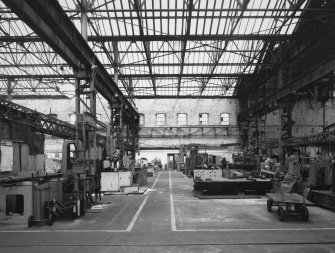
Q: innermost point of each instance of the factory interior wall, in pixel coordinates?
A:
(163, 154)
(176, 142)
(150, 107)
(62, 107)
(27, 148)
(192, 107)
(307, 115)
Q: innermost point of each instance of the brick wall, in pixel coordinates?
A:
(192, 107)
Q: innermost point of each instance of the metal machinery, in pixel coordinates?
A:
(211, 174)
(289, 194)
(75, 170)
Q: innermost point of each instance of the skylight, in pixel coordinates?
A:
(166, 48)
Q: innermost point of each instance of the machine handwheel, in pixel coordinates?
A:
(281, 213)
(299, 208)
(30, 221)
(50, 219)
(269, 204)
(305, 215)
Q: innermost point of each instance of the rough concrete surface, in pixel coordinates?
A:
(169, 218)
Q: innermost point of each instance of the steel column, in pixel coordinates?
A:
(9, 89)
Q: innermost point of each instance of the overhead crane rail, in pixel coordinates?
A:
(39, 122)
(49, 21)
(304, 141)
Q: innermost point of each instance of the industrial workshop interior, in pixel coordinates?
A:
(167, 126)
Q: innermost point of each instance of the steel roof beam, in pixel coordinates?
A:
(190, 7)
(137, 6)
(96, 10)
(181, 97)
(37, 77)
(196, 64)
(18, 97)
(40, 122)
(263, 106)
(133, 76)
(49, 21)
(109, 65)
(107, 38)
(243, 5)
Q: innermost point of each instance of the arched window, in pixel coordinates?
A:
(72, 118)
(142, 119)
(182, 119)
(224, 119)
(160, 119)
(203, 118)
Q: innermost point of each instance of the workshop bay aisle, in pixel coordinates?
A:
(168, 218)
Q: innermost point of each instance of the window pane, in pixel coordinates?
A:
(72, 118)
(142, 119)
(160, 119)
(203, 118)
(182, 119)
(224, 119)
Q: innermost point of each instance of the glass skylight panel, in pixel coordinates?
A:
(214, 18)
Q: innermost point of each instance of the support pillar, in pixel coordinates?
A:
(116, 61)
(122, 149)
(280, 140)
(77, 108)
(84, 18)
(9, 89)
(333, 179)
(285, 127)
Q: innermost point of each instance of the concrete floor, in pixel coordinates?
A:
(168, 218)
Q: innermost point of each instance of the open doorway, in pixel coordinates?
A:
(171, 163)
(14, 204)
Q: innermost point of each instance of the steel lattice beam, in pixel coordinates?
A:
(304, 141)
(184, 42)
(118, 38)
(312, 140)
(49, 21)
(230, 37)
(177, 132)
(127, 76)
(181, 97)
(137, 6)
(324, 69)
(39, 122)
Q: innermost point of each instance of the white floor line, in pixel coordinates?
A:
(254, 229)
(129, 228)
(65, 231)
(132, 223)
(154, 184)
(173, 215)
(170, 181)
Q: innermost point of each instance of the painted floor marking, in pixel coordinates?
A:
(154, 184)
(132, 223)
(173, 215)
(173, 223)
(174, 226)
(65, 231)
(179, 230)
(129, 228)
(254, 229)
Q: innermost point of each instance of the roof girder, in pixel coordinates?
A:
(137, 6)
(48, 20)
